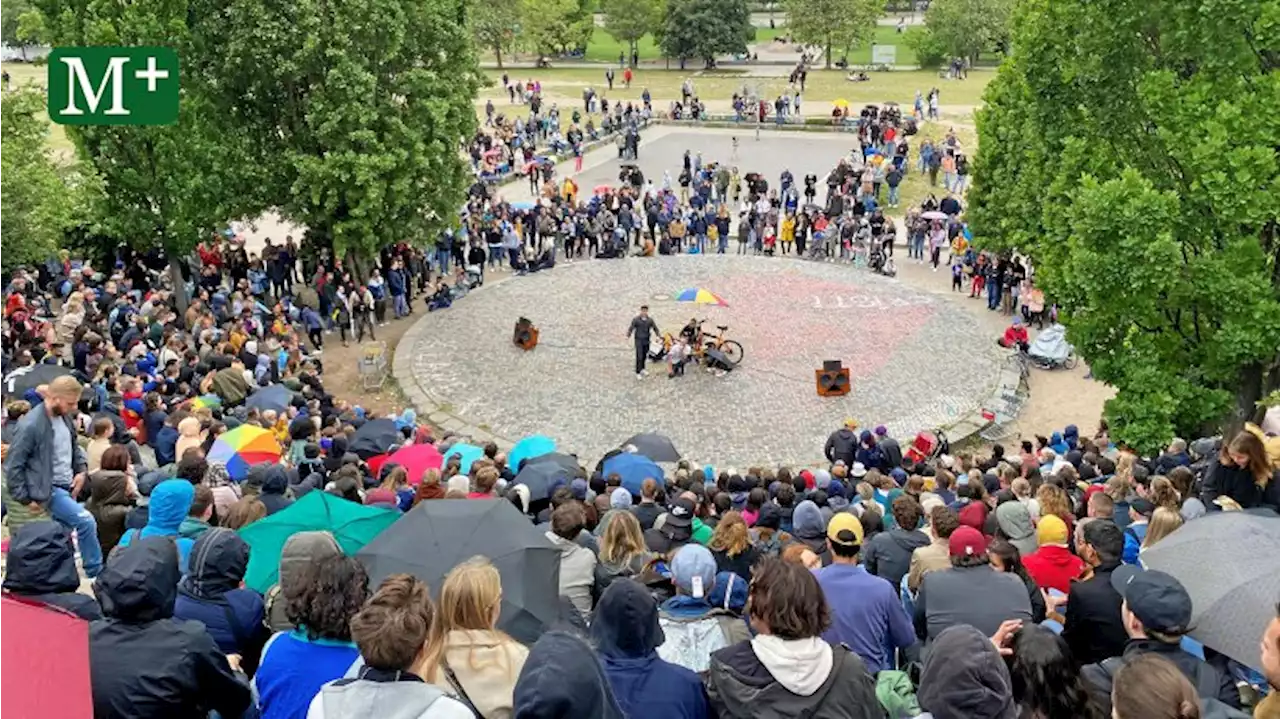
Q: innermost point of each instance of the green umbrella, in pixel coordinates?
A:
(353, 525)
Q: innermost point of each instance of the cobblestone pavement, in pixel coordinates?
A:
(916, 359)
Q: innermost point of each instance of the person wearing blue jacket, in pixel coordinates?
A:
(1140, 510)
(170, 502)
(211, 593)
(396, 287)
(626, 634)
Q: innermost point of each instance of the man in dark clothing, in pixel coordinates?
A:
(647, 511)
(889, 447)
(842, 445)
(1156, 615)
(563, 678)
(42, 568)
(642, 326)
(888, 554)
(1092, 627)
(173, 667)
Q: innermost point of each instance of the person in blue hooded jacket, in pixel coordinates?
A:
(626, 634)
(211, 593)
(170, 502)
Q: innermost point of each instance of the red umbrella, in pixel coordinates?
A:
(375, 463)
(416, 459)
(52, 646)
(603, 189)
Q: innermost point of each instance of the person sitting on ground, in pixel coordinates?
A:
(971, 592)
(810, 529)
(563, 679)
(41, 567)
(144, 663)
(626, 634)
(170, 503)
(692, 627)
(1152, 687)
(391, 632)
(1053, 566)
(965, 677)
(788, 669)
(577, 563)
(1092, 624)
(111, 496)
(1157, 613)
(937, 555)
(1016, 336)
(199, 516)
(213, 594)
(300, 551)
(888, 554)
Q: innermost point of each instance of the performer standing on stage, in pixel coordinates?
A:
(642, 326)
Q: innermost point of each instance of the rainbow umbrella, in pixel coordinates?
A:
(700, 296)
(212, 401)
(244, 447)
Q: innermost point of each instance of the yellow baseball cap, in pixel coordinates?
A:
(845, 530)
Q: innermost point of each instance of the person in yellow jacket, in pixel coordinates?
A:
(569, 191)
(677, 232)
(787, 232)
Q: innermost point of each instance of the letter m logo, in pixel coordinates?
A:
(113, 86)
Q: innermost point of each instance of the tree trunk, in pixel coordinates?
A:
(1256, 381)
(497, 54)
(828, 53)
(180, 298)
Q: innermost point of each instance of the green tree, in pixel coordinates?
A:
(495, 24)
(551, 27)
(169, 186)
(834, 25)
(357, 109)
(1129, 150)
(965, 28)
(704, 29)
(629, 20)
(40, 199)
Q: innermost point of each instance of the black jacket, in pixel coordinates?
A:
(143, 662)
(888, 554)
(1093, 628)
(1240, 485)
(42, 568)
(842, 444)
(1208, 681)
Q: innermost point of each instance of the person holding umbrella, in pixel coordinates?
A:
(642, 327)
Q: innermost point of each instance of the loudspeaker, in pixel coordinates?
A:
(832, 380)
(526, 335)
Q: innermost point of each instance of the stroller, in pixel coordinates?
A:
(1050, 350)
(880, 263)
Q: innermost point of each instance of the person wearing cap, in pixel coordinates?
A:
(787, 669)
(1140, 511)
(890, 447)
(842, 444)
(1156, 614)
(869, 453)
(692, 626)
(672, 530)
(866, 615)
(1092, 626)
(626, 635)
(1053, 566)
(971, 592)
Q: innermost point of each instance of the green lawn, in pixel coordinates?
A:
(24, 73)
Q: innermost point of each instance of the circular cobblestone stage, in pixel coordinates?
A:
(916, 360)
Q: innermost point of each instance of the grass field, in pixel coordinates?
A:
(22, 73)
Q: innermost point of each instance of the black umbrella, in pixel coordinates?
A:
(17, 382)
(375, 437)
(541, 477)
(568, 461)
(655, 446)
(438, 535)
(276, 397)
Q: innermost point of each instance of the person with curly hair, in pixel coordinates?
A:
(1046, 683)
(295, 664)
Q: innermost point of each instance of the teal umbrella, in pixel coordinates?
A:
(535, 445)
(353, 525)
(467, 453)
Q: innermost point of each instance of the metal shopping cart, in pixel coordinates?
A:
(373, 365)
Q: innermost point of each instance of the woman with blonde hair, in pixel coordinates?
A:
(1163, 494)
(731, 546)
(467, 655)
(623, 552)
(1163, 523)
(1053, 500)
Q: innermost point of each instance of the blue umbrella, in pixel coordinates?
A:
(276, 397)
(535, 445)
(634, 470)
(468, 453)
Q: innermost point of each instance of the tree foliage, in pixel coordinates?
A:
(357, 109)
(629, 20)
(1134, 151)
(706, 28)
(551, 27)
(40, 199)
(835, 25)
(965, 28)
(495, 24)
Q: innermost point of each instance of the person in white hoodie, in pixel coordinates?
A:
(391, 632)
(577, 563)
(787, 669)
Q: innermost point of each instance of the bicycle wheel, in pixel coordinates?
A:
(1071, 361)
(732, 351)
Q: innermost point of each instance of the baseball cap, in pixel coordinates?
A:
(579, 489)
(966, 542)
(693, 570)
(845, 529)
(680, 514)
(1157, 599)
(1142, 506)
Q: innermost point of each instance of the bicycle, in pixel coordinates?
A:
(707, 341)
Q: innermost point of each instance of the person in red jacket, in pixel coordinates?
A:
(1053, 566)
(1016, 336)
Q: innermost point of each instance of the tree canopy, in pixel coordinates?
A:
(495, 24)
(549, 27)
(963, 28)
(629, 20)
(836, 25)
(706, 28)
(40, 198)
(1133, 150)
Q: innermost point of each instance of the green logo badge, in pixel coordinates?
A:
(113, 86)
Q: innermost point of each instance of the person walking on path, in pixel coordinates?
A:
(642, 326)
